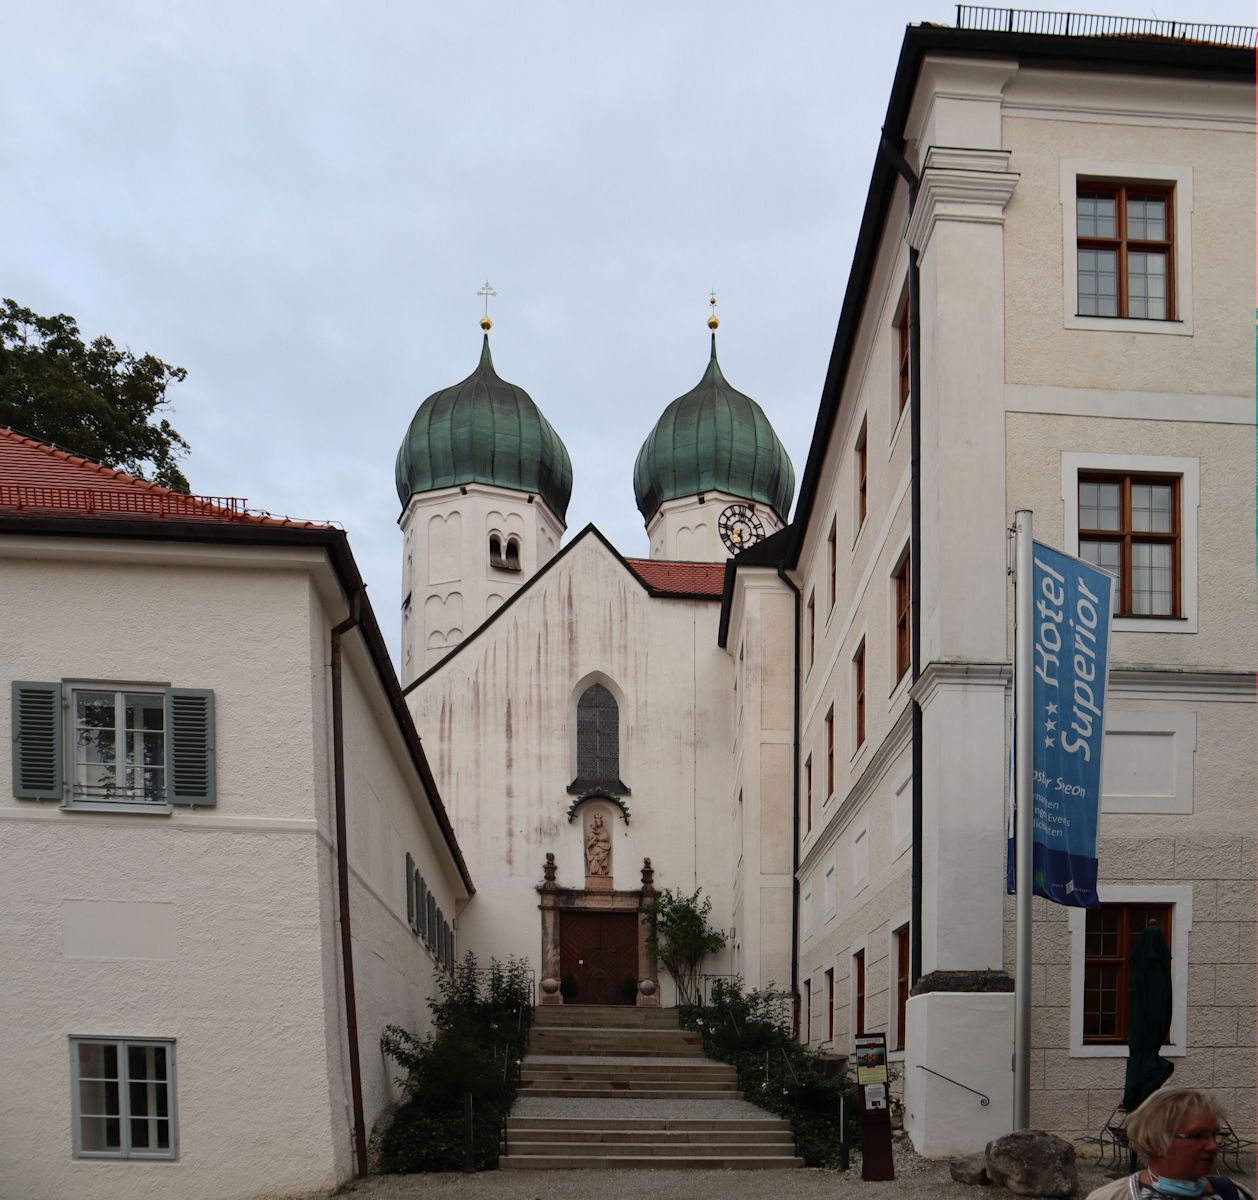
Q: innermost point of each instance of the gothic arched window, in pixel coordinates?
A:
(598, 742)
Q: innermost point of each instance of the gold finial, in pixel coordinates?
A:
(485, 323)
(713, 320)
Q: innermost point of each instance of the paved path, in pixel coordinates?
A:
(916, 1178)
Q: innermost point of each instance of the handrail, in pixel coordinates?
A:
(984, 1100)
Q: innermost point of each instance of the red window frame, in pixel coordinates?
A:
(858, 969)
(1108, 936)
(862, 474)
(1123, 245)
(903, 616)
(830, 752)
(859, 664)
(901, 324)
(830, 1004)
(901, 983)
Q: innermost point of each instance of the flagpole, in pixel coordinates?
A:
(1023, 780)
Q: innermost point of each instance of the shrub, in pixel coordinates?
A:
(752, 1031)
(482, 1019)
(679, 936)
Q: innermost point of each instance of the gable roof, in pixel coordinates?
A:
(37, 477)
(675, 581)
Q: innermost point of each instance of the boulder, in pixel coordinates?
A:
(971, 1169)
(1033, 1163)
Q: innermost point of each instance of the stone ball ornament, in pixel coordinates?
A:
(550, 987)
(647, 987)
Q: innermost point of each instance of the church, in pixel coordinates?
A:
(570, 690)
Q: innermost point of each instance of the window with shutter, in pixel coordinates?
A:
(410, 891)
(190, 746)
(36, 716)
(598, 742)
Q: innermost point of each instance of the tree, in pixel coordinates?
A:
(678, 935)
(95, 400)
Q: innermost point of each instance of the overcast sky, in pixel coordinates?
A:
(297, 202)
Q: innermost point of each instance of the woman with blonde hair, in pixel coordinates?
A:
(1176, 1132)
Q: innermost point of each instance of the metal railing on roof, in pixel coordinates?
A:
(1074, 24)
(102, 500)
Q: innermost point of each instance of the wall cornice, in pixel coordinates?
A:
(961, 184)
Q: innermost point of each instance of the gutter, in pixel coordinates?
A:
(889, 151)
(342, 885)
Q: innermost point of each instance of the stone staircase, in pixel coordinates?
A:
(626, 1087)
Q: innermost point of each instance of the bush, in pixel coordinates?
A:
(482, 1020)
(752, 1031)
(678, 935)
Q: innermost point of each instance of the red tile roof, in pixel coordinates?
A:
(704, 579)
(39, 479)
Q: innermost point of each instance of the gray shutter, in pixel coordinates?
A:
(417, 925)
(190, 746)
(430, 934)
(410, 891)
(36, 719)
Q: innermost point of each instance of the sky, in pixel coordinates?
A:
(297, 201)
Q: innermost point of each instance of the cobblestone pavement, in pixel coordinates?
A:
(916, 1177)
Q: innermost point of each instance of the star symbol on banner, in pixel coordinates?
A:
(1052, 708)
(1048, 742)
(1050, 724)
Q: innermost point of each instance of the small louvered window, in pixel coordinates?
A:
(598, 739)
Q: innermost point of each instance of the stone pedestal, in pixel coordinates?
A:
(598, 883)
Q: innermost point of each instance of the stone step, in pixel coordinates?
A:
(634, 1149)
(648, 1044)
(630, 1083)
(757, 1125)
(646, 1093)
(596, 1016)
(660, 1162)
(629, 1071)
(657, 1137)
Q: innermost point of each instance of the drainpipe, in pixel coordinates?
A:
(794, 809)
(342, 886)
(897, 160)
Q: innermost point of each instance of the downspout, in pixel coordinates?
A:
(897, 160)
(342, 886)
(794, 810)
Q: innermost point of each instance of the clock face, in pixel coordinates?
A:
(739, 527)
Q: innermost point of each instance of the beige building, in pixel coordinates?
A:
(1049, 309)
(175, 994)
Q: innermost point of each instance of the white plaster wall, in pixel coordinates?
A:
(497, 722)
(446, 571)
(687, 529)
(389, 817)
(243, 993)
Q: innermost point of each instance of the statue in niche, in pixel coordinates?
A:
(598, 848)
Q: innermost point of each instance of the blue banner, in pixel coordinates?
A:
(1071, 630)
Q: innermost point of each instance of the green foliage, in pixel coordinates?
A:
(680, 938)
(92, 399)
(482, 1020)
(752, 1030)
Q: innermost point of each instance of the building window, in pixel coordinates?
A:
(123, 1098)
(812, 628)
(808, 794)
(1110, 932)
(860, 859)
(830, 753)
(807, 1012)
(903, 616)
(901, 937)
(1126, 260)
(833, 558)
(1129, 526)
(113, 748)
(858, 984)
(858, 666)
(830, 1004)
(504, 558)
(598, 742)
(862, 475)
(901, 326)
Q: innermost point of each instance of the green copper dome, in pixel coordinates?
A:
(484, 430)
(713, 439)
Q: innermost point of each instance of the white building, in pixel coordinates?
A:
(174, 1001)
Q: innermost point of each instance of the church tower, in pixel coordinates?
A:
(712, 476)
(484, 483)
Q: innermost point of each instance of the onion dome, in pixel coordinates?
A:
(713, 439)
(484, 430)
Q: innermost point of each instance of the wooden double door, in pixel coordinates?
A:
(599, 950)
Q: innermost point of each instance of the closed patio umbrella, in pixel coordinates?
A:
(1148, 1016)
